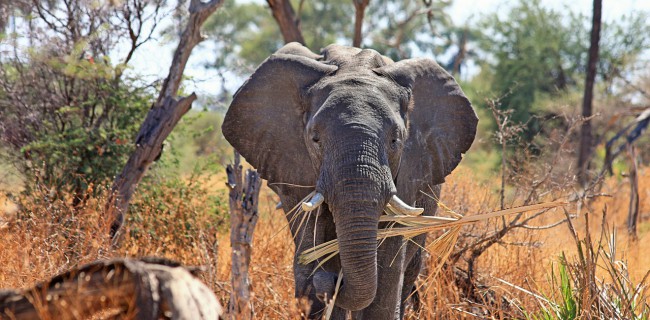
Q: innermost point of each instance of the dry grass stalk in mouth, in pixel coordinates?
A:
(330, 304)
(417, 225)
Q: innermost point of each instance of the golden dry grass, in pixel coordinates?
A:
(46, 238)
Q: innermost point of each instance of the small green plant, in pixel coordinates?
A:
(562, 304)
(580, 293)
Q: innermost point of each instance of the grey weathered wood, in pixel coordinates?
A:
(244, 197)
(139, 289)
(161, 119)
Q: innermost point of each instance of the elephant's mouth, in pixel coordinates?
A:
(395, 205)
(356, 233)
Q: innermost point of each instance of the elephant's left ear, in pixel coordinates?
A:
(442, 122)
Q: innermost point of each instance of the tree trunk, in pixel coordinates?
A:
(286, 18)
(633, 211)
(585, 134)
(360, 11)
(244, 197)
(460, 56)
(161, 119)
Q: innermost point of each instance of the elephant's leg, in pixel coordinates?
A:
(325, 281)
(414, 250)
(410, 275)
(390, 272)
(307, 230)
(339, 314)
(325, 278)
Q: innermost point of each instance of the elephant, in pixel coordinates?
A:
(363, 132)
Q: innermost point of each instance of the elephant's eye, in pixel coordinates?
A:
(315, 139)
(395, 138)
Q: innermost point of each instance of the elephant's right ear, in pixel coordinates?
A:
(264, 122)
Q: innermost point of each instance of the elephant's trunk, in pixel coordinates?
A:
(360, 188)
(356, 231)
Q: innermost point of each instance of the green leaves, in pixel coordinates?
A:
(88, 140)
(568, 309)
(534, 50)
(247, 33)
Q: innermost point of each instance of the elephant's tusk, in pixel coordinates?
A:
(400, 207)
(313, 203)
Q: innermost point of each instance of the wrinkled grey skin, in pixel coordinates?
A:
(358, 128)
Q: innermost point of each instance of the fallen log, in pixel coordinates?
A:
(149, 288)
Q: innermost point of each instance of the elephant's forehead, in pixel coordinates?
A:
(353, 58)
(360, 87)
(356, 83)
(356, 99)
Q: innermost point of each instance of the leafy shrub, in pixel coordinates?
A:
(68, 113)
(91, 142)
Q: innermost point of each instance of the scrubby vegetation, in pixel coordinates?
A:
(555, 273)
(71, 103)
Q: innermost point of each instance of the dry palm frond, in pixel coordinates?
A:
(441, 248)
(417, 225)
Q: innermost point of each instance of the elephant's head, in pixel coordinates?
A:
(357, 127)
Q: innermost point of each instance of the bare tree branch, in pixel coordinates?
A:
(548, 226)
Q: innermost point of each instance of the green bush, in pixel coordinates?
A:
(80, 152)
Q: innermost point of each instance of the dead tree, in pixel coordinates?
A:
(116, 289)
(244, 197)
(161, 119)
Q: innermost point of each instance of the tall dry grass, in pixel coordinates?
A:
(183, 222)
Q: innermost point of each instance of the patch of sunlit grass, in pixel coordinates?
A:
(44, 238)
